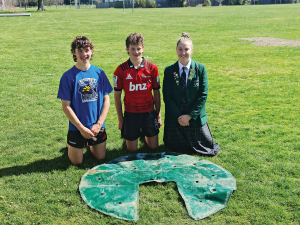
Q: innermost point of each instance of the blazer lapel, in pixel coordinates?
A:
(176, 77)
(192, 73)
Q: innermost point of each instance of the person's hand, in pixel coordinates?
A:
(86, 133)
(121, 123)
(159, 122)
(184, 120)
(96, 128)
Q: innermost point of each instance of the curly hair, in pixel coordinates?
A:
(81, 42)
(135, 39)
(185, 37)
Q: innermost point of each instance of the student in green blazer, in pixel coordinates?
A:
(185, 89)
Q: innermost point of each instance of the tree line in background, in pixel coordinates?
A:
(23, 3)
(186, 3)
(149, 3)
(145, 4)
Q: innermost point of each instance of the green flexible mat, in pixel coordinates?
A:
(113, 188)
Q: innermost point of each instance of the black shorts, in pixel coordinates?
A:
(133, 122)
(76, 140)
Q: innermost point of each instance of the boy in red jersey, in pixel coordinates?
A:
(138, 77)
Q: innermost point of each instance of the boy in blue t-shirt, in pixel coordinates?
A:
(84, 91)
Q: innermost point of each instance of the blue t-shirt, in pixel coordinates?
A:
(85, 90)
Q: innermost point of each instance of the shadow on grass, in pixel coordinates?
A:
(63, 163)
(60, 163)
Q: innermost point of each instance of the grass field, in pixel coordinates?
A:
(253, 110)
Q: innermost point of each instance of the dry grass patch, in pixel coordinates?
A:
(270, 41)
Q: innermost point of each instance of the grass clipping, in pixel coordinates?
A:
(270, 41)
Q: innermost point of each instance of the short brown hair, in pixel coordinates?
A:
(185, 37)
(81, 42)
(135, 39)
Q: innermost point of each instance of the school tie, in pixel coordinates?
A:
(183, 98)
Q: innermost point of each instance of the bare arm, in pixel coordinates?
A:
(157, 103)
(118, 104)
(85, 132)
(97, 126)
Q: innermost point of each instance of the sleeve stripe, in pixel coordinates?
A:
(122, 67)
(149, 65)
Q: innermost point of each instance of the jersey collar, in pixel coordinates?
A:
(132, 66)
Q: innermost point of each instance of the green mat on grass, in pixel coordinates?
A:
(112, 188)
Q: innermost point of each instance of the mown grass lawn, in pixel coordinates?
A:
(253, 110)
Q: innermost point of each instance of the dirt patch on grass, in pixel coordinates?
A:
(270, 41)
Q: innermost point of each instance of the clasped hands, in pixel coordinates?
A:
(91, 133)
(183, 120)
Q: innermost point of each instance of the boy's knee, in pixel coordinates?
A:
(131, 149)
(75, 155)
(132, 145)
(153, 146)
(76, 162)
(99, 151)
(152, 142)
(100, 157)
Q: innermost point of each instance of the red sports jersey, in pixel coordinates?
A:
(137, 85)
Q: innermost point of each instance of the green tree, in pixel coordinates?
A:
(41, 5)
(140, 3)
(151, 4)
(207, 3)
(176, 3)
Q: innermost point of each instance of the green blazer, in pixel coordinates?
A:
(197, 90)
